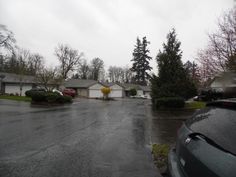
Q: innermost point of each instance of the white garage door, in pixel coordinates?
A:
(116, 94)
(13, 88)
(95, 94)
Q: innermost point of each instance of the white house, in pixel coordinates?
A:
(16, 84)
(146, 91)
(92, 88)
(141, 90)
(95, 91)
(117, 91)
(224, 82)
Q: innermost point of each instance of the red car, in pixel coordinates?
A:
(69, 92)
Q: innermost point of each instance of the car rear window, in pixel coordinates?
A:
(218, 124)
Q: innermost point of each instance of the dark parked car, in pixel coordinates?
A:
(69, 92)
(206, 143)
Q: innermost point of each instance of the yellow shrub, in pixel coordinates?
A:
(106, 90)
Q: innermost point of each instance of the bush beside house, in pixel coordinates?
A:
(133, 92)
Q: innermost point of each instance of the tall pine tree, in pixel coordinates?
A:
(172, 79)
(141, 60)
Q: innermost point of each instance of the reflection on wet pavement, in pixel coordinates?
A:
(165, 125)
(90, 138)
(165, 131)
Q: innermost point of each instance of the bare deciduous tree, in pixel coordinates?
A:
(119, 74)
(97, 67)
(69, 59)
(7, 39)
(220, 54)
(83, 70)
(35, 63)
(48, 78)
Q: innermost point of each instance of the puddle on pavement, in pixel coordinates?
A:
(165, 125)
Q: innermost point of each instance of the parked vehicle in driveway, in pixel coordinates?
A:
(206, 143)
(140, 96)
(69, 92)
(57, 91)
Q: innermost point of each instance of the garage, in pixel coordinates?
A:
(15, 88)
(95, 91)
(116, 91)
(92, 88)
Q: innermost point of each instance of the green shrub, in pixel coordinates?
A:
(160, 154)
(133, 92)
(64, 99)
(170, 102)
(28, 93)
(38, 96)
(51, 97)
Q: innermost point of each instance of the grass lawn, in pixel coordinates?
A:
(160, 156)
(195, 105)
(16, 98)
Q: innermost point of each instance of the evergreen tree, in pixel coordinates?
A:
(136, 58)
(141, 60)
(172, 79)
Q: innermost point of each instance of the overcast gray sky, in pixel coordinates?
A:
(108, 28)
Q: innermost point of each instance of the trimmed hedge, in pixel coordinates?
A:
(169, 102)
(38, 96)
(49, 97)
(29, 93)
(64, 99)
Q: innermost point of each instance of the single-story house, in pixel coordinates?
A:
(224, 82)
(92, 88)
(141, 90)
(128, 86)
(11, 83)
(146, 91)
(16, 84)
(85, 88)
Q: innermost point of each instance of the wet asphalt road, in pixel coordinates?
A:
(89, 138)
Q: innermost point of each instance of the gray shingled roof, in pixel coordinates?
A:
(79, 83)
(16, 78)
(137, 87)
(130, 86)
(109, 84)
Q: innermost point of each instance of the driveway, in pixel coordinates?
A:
(89, 138)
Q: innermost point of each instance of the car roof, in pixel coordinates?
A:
(216, 123)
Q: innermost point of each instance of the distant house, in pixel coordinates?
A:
(16, 84)
(141, 90)
(127, 87)
(146, 91)
(92, 88)
(226, 83)
(85, 88)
